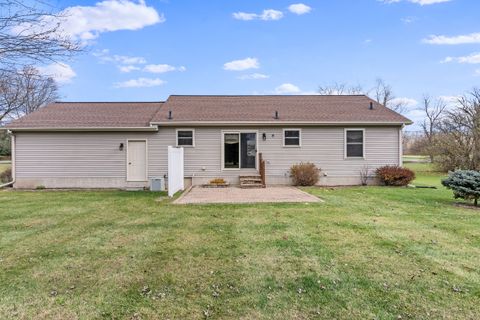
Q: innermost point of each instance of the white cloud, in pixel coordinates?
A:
(61, 72)
(474, 58)
(140, 83)
(253, 76)
(408, 102)
(126, 69)
(287, 88)
(420, 2)
(244, 64)
(271, 14)
(245, 16)
(299, 8)
(104, 56)
(477, 73)
(88, 22)
(162, 68)
(427, 2)
(266, 15)
(460, 39)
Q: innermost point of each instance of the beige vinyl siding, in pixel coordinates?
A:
(88, 156)
(323, 146)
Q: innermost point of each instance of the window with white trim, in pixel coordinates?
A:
(291, 137)
(185, 138)
(354, 143)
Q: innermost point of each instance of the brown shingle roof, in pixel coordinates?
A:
(312, 108)
(90, 115)
(219, 109)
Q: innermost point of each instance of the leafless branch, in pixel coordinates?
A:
(30, 35)
(340, 89)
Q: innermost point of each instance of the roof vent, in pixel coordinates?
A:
(276, 115)
(170, 115)
(371, 106)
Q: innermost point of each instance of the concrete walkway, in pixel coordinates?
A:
(199, 195)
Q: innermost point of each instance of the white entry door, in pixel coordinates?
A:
(137, 161)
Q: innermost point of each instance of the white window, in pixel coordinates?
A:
(292, 137)
(354, 143)
(185, 138)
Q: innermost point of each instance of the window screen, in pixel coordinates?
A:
(354, 143)
(185, 138)
(292, 137)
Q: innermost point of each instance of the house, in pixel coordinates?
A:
(123, 144)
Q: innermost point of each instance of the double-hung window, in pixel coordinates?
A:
(185, 138)
(354, 143)
(292, 138)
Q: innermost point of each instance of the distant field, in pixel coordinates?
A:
(409, 158)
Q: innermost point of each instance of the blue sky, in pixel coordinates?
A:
(147, 50)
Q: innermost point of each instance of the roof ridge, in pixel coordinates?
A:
(268, 95)
(109, 102)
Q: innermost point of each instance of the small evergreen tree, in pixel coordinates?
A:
(465, 184)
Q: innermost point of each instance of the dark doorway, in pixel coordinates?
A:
(231, 149)
(248, 147)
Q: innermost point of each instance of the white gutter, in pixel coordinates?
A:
(12, 137)
(82, 129)
(274, 123)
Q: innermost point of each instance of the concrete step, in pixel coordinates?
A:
(252, 181)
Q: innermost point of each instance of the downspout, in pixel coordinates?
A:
(12, 141)
(400, 146)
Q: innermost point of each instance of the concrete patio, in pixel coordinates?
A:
(199, 195)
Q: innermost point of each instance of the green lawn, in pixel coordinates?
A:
(366, 253)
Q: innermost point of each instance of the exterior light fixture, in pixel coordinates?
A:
(264, 136)
(120, 147)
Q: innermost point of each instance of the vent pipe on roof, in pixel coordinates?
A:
(371, 106)
(170, 115)
(276, 115)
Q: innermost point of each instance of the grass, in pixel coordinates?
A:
(366, 253)
(4, 167)
(415, 158)
(426, 174)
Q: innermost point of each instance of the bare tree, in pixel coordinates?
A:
(340, 89)
(31, 35)
(459, 134)
(434, 111)
(384, 95)
(24, 91)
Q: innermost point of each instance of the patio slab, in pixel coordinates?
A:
(199, 195)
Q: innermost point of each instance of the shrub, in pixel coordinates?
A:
(395, 175)
(465, 184)
(305, 174)
(6, 176)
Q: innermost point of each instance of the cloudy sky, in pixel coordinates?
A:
(146, 50)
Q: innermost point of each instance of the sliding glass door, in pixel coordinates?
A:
(239, 150)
